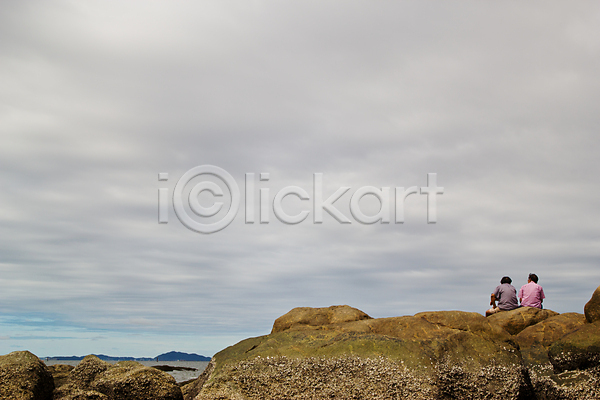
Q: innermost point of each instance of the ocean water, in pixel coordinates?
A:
(180, 376)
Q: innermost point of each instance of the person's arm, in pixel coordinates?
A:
(493, 300)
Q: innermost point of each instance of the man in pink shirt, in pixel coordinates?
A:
(531, 294)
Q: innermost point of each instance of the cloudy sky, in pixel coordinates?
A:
(499, 99)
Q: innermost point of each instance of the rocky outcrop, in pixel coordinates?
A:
(514, 321)
(524, 354)
(125, 380)
(303, 318)
(129, 380)
(24, 377)
(87, 370)
(592, 307)
(431, 355)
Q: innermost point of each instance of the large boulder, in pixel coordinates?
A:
(535, 340)
(301, 318)
(130, 380)
(514, 321)
(94, 379)
(579, 349)
(592, 307)
(87, 370)
(432, 355)
(24, 377)
(78, 385)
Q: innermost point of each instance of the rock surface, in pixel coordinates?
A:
(592, 307)
(129, 380)
(579, 349)
(535, 340)
(514, 321)
(548, 383)
(60, 373)
(24, 377)
(431, 355)
(125, 380)
(87, 370)
(303, 318)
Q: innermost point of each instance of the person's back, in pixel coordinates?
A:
(506, 296)
(531, 294)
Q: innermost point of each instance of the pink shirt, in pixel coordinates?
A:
(532, 295)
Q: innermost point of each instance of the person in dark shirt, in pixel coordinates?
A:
(506, 296)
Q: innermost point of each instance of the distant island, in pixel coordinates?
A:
(178, 356)
(170, 356)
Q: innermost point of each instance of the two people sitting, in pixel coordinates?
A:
(530, 295)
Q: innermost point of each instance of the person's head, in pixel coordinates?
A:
(533, 278)
(506, 279)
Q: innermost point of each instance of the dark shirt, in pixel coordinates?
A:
(506, 294)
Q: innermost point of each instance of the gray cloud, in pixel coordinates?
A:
(497, 99)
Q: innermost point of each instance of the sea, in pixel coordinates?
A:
(180, 376)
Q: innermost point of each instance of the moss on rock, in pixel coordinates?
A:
(24, 377)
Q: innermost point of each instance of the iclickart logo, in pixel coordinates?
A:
(209, 219)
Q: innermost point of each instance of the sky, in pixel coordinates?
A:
(498, 99)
